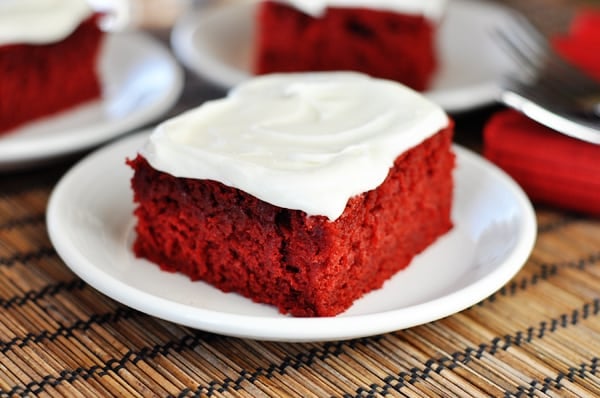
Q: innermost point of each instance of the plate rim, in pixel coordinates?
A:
(225, 76)
(287, 328)
(14, 156)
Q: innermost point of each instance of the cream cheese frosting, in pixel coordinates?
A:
(40, 21)
(432, 9)
(304, 141)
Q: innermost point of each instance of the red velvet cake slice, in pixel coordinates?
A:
(303, 191)
(48, 58)
(392, 39)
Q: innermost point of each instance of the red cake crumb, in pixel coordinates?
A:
(380, 43)
(39, 80)
(304, 265)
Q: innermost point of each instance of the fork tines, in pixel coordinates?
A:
(540, 66)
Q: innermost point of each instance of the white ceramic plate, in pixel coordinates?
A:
(140, 79)
(90, 223)
(216, 43)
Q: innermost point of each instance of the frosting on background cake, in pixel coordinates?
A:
(299, 141)
(40, 21)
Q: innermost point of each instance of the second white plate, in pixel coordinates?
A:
(140, 81)
(90, 222)
(217, 42)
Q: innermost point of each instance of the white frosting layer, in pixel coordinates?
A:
(40, 21)
(300, 141)
(432, 9)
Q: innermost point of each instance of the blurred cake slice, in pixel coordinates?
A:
(390, 39)
(49, 53)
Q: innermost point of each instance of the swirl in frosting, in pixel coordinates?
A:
(432, 9)
(40, 21)
(305, 141)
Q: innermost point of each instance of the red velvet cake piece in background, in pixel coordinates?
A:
(48, 60)
(293, 192)
(383, 42)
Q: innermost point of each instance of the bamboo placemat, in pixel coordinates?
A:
(539, 335)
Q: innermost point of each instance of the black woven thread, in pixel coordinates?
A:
(306, 359)
(431, 365)
(23, 222)
(399, 381)
(111, 366)
(437, 365)
(556, 383)
(327, 350)
(558, 224)
(546, 271)
(25, 257)
(48, 290)
(188, 342)
(332, 349)
(97, 319)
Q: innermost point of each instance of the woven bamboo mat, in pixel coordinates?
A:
(539, 335)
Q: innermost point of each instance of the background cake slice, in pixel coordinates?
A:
(303, 191)
(390, 39)
(49, 52)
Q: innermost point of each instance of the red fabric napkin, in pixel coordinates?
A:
(551, 167)
(582, 45)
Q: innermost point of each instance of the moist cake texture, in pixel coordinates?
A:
(295, 192)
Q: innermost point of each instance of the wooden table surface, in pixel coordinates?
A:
(537, 336)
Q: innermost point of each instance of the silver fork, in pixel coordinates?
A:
(546, 88)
